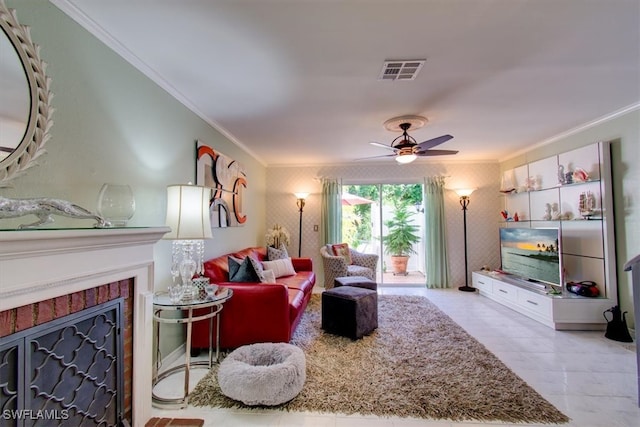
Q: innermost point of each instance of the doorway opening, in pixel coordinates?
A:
(387, 219)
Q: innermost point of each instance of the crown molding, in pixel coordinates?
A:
(575, 130)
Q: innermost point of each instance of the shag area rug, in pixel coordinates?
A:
(418, 363)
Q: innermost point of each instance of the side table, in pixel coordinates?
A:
(162, 307)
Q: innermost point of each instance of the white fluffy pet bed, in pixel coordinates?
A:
(263, 374)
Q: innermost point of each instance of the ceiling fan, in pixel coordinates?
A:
(405, 148)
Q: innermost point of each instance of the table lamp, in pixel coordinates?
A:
(188, 217)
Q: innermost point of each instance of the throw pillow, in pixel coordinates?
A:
(342, 249)
(242, 271)
(280, 267)
(279, 253)
(269, 276)
(257, 267)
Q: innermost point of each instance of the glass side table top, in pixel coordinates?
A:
(161, 299)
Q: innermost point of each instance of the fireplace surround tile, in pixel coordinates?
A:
(77, 301)
(24, 318)
(6, 323)
(61, 306)
(45, 312)
(90, 297)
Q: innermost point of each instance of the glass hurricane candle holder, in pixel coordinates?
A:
(176, 292)
(116, 204)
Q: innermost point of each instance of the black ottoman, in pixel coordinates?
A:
(349, 311)
(357, 281)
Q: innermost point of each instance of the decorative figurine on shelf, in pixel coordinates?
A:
(515, 217)
(505, 215)
(580, 175)
(561, 178)
(568, 178)
(555, 212)
(547, 212)
(587, 205)
(44, 209)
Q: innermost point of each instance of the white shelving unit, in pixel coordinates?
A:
(550, 193)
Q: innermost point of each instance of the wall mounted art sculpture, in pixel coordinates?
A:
(227, 179)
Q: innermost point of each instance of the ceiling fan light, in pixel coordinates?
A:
(405, 158)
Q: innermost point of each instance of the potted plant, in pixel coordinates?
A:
(277, 236)
(400, 238)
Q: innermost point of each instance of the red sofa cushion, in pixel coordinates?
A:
(302, 281)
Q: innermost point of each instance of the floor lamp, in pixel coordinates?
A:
(464, 194)
(300, 203)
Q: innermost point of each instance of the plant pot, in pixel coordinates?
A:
(399, 264)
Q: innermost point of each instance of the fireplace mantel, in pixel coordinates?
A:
(36, 265)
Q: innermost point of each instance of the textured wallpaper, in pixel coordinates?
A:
(482, 216)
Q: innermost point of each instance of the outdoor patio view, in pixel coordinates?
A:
(387, 219)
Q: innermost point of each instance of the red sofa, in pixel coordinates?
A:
(257, 312)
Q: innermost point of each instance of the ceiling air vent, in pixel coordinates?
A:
(401, 70)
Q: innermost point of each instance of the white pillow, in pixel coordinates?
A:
(280, 267)
(269, 276)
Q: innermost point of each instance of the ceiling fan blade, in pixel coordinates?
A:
(426, 153)
(376, 157)
(388, 147)
(430, 143)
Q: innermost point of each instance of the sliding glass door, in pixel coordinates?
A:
(387, 219)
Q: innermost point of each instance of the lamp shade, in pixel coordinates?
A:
(464, 192)
(188, 212)
(405, 158)
(301, 195)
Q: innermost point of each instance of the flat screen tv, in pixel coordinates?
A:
(532, 254)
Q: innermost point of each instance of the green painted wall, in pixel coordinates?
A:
(113, 124)
(624, 133)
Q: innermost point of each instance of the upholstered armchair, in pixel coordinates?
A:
(337, 266)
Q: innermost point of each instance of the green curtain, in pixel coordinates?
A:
(331, 213)
(436, 258)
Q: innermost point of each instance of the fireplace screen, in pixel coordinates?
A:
(67, 372)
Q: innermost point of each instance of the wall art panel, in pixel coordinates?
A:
(227, 180)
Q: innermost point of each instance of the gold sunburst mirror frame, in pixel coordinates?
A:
(39, 121)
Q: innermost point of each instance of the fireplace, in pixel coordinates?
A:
(68, 371)
(47, 274)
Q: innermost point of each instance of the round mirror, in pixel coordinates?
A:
(15, 101)
(25, 98)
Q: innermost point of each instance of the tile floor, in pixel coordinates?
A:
(587, 376)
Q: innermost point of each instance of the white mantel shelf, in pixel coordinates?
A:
(36, 265)
(39, 264)
(14, 243)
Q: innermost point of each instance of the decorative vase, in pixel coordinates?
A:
(116, 204)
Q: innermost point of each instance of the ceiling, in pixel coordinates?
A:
(296, 81)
